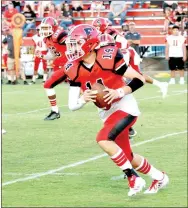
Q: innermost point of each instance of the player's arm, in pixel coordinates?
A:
(167, 50)
(137, 81)
(48, 56)
(184, 52)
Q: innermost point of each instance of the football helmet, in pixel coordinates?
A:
(48, 26)
(81, 40)
(106, 39)
(101, 24)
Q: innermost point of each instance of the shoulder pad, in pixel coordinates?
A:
(71, 69)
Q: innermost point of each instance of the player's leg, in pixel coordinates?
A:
(172, 67)
(44, 62)
(56, 78)
(120, 135)
(106, 140)
(163, 86)
(180, 64)
(36, 66)
(160, 179)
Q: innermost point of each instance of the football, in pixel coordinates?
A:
(100, 103)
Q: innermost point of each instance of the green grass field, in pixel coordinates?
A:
(40, 158)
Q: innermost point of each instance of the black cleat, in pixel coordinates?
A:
(52, 116)
(9, 82)
(25, 83)
(32, 83)
(132, 132)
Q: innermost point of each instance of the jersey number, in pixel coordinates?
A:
(108, 54)
(175, 42)
(88, 84)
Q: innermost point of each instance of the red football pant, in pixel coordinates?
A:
(37, 61)
(5, 57)
(56, 78)
(111, 128)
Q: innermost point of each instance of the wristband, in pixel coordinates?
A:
(121, 92)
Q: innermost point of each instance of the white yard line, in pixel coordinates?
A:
(30, 174)
(49, 172)
(141, 99)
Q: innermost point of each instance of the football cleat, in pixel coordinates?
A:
(132, 132)
(181, 82)
(9, 82)
(172, 81)
(52, 116)
(157, 185)
(164, 89)
(136, 184)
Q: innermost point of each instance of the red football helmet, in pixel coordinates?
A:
(101, 24)
(106, 39)
(81, 40)
(48, 26)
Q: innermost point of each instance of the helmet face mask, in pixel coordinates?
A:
(74, 49)
(48, 26)
(46, 30)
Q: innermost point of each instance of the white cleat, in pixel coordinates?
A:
(172, 82)
(182, 82)
(164, 89)
(136, 185)
(157, 185)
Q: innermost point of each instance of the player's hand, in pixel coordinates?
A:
(89, 95)
(112, 95)
(167, 58)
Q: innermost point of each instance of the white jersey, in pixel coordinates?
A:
(40, 44)
(175, 45)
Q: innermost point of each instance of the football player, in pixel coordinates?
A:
(102, 24)
(40, 47)
(107, 65)
(54, 38)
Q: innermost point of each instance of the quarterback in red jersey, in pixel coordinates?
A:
(54, 37)
(103, 25)
(87, 65)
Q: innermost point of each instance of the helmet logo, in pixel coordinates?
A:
(88, 30)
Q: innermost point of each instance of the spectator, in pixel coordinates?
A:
(169, 20)
(58, 4)
(42, 6)
(17, 5)
(31, 3)
(5, 51)
(117, 8)
(9, 13)
(133, 37)
(54, 12)
(67, 18)
(172, 4)
(176, 54)
(11, 59)
(30, 17)
(125, 29)
(97, 5)
(180, 17)
(141, 3)
(77, 6)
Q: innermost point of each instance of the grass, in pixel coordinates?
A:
(33, 145)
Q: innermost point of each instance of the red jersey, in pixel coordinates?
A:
(108, 69)
(54, 44)
(10, 13)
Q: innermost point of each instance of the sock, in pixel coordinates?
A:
(45, 77)
(148, 169)
(34, 78)
(181, 78)
(14, 78)
(53, 102)
(156, 83)
(121, 160)
(173, 79)
(9, 77)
